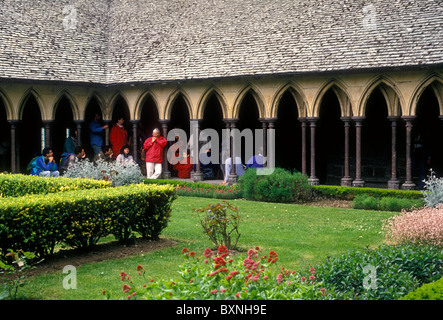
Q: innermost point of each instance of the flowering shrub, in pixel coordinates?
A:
(114, 172)
(219, 225)
(216, 276)
(423, 226)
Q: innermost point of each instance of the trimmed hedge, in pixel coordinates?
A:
(18, 185)
(349, 193)
(364, 201)
(429, 291)
(37, 223)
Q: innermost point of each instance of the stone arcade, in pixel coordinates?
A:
(348, 86)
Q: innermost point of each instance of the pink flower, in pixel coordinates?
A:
(207, 253)
(214, 291)
(303, 279)
(322, 290)
(237, 294)
(126, 288)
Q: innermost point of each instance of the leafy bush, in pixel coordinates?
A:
(80, 218)
(280, 186)
(433, 194)
(18, 185)
(398, 271)
(429, 291)
(217, 276)
(422, 226)
(220, 225)
(368, 202)
(114, 172)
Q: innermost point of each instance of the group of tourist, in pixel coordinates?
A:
(119, 150)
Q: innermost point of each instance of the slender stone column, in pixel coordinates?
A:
(303, 122)
(107, 130)
(14, 159)
(78, 124)
(134, 139)
(346, 180)
(166, 174)
(358, 182)
(48, 132)
(264, 125)
(270, 152)
(195, 127)
(408, 184)
(394, 183)
(313, 124)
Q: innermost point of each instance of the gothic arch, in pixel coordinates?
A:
(74, 106)
(211, 91)
(141, 101)
(389, 89)
(342, 93)
(298, 95)
(258, 97)
(435, 82)
(99, 100)
(113, 101)
(172, 98)
(31, 92)
(7, 104)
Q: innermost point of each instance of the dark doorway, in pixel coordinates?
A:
(63, 124)
(288, 150)
(329, 151)
(92, 108)
(248, 119)
(376, 142)
(5, 140)
(31, 134)
(427, 127)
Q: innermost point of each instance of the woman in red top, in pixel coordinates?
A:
(154, 154)
(184, 166)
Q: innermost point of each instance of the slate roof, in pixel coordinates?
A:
(121, 41)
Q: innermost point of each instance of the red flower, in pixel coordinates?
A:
(207, 253)
(139, 268)
(126, 288)
(184, 250)
(222, 249)
(273, 257)
(192, 253)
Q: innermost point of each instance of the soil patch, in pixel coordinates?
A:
(100, 252)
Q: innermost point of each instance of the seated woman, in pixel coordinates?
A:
(125, 157)
(184, 167)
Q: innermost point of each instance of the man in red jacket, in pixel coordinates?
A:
(154, 154)
(118, 137)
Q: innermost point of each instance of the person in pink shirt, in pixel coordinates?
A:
(154, 154)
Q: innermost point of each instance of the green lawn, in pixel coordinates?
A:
(301, 235)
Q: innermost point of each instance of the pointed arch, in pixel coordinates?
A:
(433, 81)
(141, 102)
(25, 97)
(114, 99)
(256, 94)
(73, 103)
(100, 101)
(296, 93)
(205, 97)
(390, 91)
(172, 98)
(342, 93)
(7, 104)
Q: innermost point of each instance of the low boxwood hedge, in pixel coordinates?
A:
(37, 223)
(18, 185)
